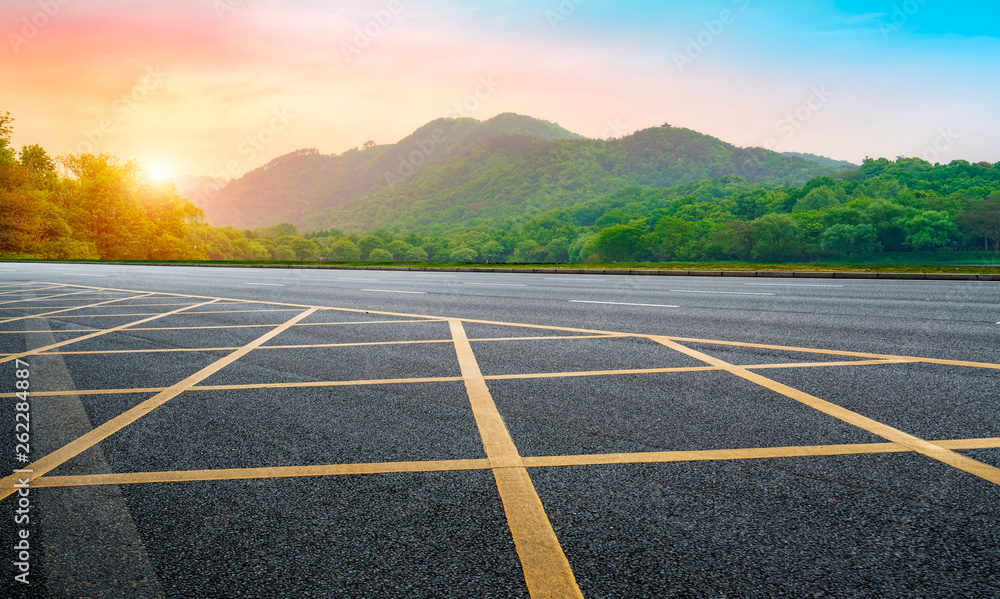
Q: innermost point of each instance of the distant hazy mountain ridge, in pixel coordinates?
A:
(452, 170)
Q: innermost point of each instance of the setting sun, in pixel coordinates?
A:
(157, 172)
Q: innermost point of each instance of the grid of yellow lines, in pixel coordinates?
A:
(546, 570)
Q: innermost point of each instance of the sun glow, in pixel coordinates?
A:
(157, 172)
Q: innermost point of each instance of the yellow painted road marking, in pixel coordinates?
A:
(98, 333)
(936, 452)
(484, 464)
(250, 386)
(252, 473)
(153, 313)
(582, 373)
(43, 298)
(834, 352)
(91, 392)
(712, 455)
(741, 344)
(492, 377)
(74, 448)
(586, 331)
(118, 306)
(61, 311)
(242, 326)
(820, 364)
(747, 454)
(317, 345)
(547, 572)
(33, 289)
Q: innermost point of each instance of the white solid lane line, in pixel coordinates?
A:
(394, 291)
(625, 304)
(719, 292)
(266, 284)
(498, 284)
(790, 285)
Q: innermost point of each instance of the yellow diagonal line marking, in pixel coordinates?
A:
(885, 431)
(34, 289)
(986, 443)
(88, 330)
(40, 298)
(746, 454)
(547, 572)
(582, 373)
(742, 344)
(442, 379)
(74, 448)
(128, 478)
(99, 333)
(595, 331)
(548, 338)
(249, 386)
(356, 344)
(61, 311)
(267, 472)
(152, 313)
(821, 364)
(118, 306)
(834, 352)
(651, 457)
(91, 392)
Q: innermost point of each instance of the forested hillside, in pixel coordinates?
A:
(85, 206)
(466, 171)
(300, 186)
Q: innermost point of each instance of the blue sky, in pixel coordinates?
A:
(846, 79)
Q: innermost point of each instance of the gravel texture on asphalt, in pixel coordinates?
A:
(742, 529)
(661, 412)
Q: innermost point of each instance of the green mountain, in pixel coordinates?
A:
(831, 162)
(464, 170)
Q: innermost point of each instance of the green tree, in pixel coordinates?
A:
(306, 250)
(415, 254)
(398, 249)
(463, 254)
(983, 220)
(380, 255)
(557, 250)
(817, 199)
(343, 250)
(929, 230)
(851, 241)
(621, 242)
(6, 130)
(280, 230)
(368, 243)
(36, 159)
(776, 238)
(492, 251)
(668, 237)
(284, 253)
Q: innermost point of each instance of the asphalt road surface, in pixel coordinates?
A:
(216, 432)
